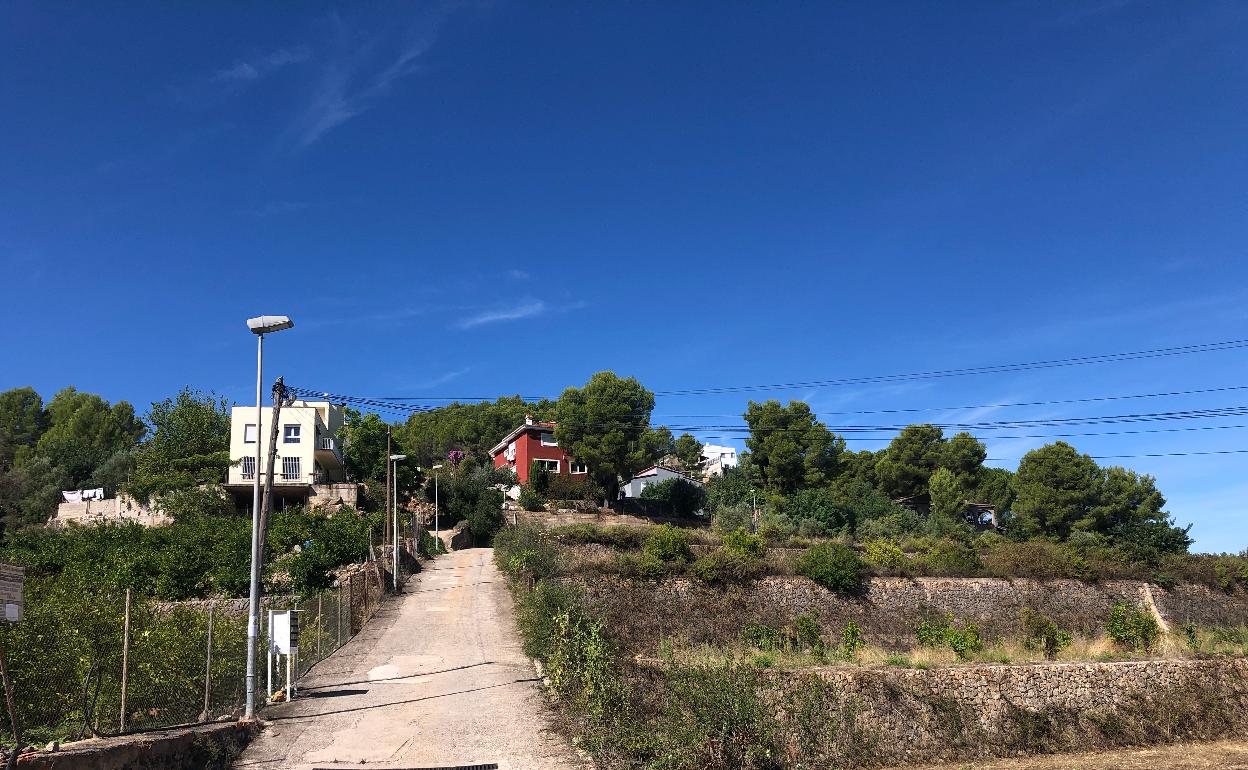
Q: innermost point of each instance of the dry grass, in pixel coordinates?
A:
(1230, 754)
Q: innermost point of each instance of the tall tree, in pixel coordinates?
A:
(603, 424)
(790, 448)
(189, 445)
(1057, 489)
(364, 446)
(85, 430)
(426, 437)
(22, 422)
(689, 453)
(947, 495)
(909, 460)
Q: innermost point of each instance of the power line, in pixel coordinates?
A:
(1088, 400)
(976, 370)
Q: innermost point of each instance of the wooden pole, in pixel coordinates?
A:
(204, 715)
(389, 451)
(125, 665)
(8, 701)
(279, 395)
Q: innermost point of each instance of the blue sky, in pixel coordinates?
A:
(496, 198)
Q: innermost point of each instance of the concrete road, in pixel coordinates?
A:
(436, 679)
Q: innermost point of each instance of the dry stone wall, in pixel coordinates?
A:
(899, 716)
(641, 612)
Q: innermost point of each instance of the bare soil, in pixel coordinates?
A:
(1223, 755)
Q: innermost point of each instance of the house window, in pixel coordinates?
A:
(290, 434)
(548, 439)
(249, 433)
(290, 469)
(575, 467)
(510, 454)
(248, 467)
(550, 465)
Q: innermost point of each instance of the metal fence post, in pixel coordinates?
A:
(125, 665)
(338, 614)
(204, 715)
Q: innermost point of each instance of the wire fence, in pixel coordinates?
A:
(104, 663)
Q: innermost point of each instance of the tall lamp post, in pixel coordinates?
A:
(437, 533)
(394, 547)
(260, 326)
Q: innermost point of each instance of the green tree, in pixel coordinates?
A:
(364, 446)
(470, 428)
(947, 496)
(603, 424)
(189, 445)
(905, 466)
(689, 453)
(85, 430)
(1130, 509)
(683, 497)
(995, 486)
(1057, 489)
(22, 422)
(790, 448)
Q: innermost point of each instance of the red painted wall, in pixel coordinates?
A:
(529, 448)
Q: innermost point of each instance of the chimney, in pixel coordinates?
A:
(528, 419)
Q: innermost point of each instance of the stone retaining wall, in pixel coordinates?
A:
(204, 747)
(643, 611)
(900, 716)
(600, 518)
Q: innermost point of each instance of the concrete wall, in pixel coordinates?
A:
(889, 608)
(113, 509)
(901, 716)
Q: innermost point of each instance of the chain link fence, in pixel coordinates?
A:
(103, 663)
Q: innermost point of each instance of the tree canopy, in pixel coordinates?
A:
(606, 424)
(790, 448)
(189, 445)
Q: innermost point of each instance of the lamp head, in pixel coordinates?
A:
(267, 324)
(398, 457)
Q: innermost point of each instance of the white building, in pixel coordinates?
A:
(652, 475)
(308, 466)
(717, 459)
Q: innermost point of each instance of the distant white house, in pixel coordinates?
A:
(718, 459)
(652, 475)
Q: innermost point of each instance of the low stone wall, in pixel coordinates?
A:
(204, 747)
(899, 716)
(641, 612)
(601, 518)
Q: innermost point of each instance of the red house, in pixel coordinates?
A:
(534, 441)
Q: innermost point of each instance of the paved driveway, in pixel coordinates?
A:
(436, 679)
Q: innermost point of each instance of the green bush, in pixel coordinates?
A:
(851, 640)
(762, 636)
(486, 516)
(684, 498)
(1037, 559)
(741, 542)
(1131, 627)
(724, 566)
(834, 566)
(1040, 632)
(670, 544)
(530, 499)
(949, 557)
(884, 554)
(573, 488)
(644, 565)
(526, 551)
(590, 534)
(935, 631)
(932, 632)
(808, 633)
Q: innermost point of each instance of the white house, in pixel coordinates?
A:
(308, 466)
(652, 475)
(717, 459)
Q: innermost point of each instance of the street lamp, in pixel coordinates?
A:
(436, 532)
(394, 555)
(260, 326)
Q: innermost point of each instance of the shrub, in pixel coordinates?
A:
(965, 641)
(486, 517)
(667, 543)
(884, 554)
(761, 635)
(1190, 636)
(614, 536)
(834, 566)
(727, 518)
(1131, 627)
(742, 542)
(724, 566)
(530, 499)
(646, 566)
(851, 640)
(1040, 632)
(527, 551)
(949, 557)
(930, 632)
(1037, 559)
(684, 498)
(575, 488)
(808, 633)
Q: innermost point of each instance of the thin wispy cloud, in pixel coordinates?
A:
(530, 309)
(441, 379)
(517, 275)
(365, 71)
(249, 70)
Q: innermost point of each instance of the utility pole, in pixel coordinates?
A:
(279, 395)
(389, 451)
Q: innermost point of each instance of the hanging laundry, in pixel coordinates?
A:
(73, 496)
(93, 494)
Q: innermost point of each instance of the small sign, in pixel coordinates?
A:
(12, 580)
(285, 632)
